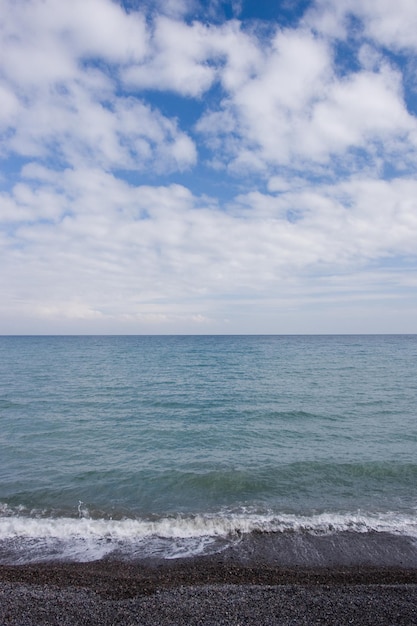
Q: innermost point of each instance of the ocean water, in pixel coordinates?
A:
(303, 447)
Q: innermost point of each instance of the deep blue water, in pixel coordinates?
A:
(179, 445)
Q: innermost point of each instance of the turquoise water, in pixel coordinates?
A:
(177, 445)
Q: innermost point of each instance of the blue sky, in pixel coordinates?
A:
(208, 167)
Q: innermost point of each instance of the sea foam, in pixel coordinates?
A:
(33, 537)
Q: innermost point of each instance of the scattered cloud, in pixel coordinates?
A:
(164, 173)
(387, 24)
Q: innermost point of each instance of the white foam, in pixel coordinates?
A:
(25, 537)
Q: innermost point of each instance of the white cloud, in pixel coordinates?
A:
(68, 310)
(264, 104)
(55, 105)
(82, 130)
(363, 108)
(391, 24)
(45, 40)
(177, 59)
(296, 110)
(83, 246)
(189, 58)
(284, 103)
(99, 248)
(8, 106)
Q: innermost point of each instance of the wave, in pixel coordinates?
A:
(31, 536)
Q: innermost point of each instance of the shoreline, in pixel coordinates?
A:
(204, 590)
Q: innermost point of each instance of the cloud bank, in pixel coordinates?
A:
(168, 168)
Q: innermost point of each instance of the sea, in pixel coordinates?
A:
(299, 449)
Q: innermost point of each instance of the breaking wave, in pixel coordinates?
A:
(33, 536)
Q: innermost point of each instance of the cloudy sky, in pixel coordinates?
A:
(176, 166)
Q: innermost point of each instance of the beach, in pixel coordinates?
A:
(209, 590)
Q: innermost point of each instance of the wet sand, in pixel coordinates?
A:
(205, 590)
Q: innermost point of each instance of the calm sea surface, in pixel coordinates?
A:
(181, 445)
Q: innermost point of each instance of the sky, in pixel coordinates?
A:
(186, 167)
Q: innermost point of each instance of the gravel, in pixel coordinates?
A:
(203, 592)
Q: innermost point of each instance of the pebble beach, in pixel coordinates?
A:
(204, 591)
